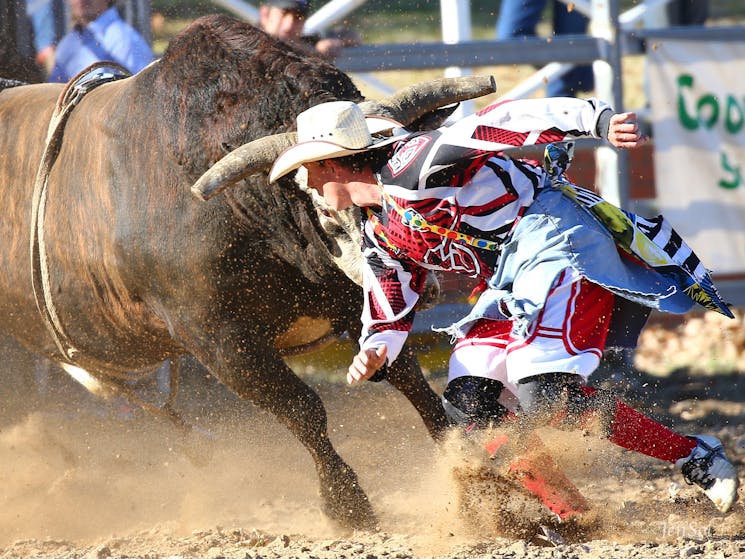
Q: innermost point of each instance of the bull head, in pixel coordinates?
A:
(417, 107)
(410, 106)
(342, 227)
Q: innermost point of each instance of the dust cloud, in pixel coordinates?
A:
(74, 469)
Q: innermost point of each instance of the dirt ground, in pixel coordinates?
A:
(84, 479)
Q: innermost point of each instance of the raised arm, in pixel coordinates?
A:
(526, 122)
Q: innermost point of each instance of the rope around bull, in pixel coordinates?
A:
(73, 93)
(84, 82)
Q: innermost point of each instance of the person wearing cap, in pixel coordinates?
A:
(558, 263)
(99, 34)
(285, 19)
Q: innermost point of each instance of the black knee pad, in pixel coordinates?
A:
(470, 400)
(546, 393)
(601, 405)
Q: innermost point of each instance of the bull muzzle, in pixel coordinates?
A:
(407, 106)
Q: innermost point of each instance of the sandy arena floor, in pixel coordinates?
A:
(83, 479)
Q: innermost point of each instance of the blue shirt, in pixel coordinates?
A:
(107, 38)
(41, 14)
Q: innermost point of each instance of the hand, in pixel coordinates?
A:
(329, 48)
(366, 363)
(624, 131)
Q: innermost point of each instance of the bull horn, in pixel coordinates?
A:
(246, 160)
(413, 102)
(405, 106)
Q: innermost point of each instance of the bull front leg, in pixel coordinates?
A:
(266, 381)
(405, 374)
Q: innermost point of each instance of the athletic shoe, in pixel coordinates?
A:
(708, 467)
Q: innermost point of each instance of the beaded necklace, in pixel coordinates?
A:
(413, 219)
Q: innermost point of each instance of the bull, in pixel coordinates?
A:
(110, 265)
(14, 64)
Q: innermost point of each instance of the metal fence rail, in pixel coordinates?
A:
(566, 48)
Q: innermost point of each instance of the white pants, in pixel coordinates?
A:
(568, 336)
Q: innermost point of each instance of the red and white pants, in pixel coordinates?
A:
(568, 336)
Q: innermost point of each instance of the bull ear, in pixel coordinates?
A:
(248, 159)
(411, 103)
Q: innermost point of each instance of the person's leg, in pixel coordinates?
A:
(700, 458)
(473, 401)
(476, 376)
(687, 12)
(579, 78)
(550, 367)
(476, 398)
(560, 400)
(568, 21)
(518, 18)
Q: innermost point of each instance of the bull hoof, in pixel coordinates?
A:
(345, 502)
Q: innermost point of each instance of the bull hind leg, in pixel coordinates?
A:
(105, 387)
(269, 383)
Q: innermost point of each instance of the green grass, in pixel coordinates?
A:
(330, 363)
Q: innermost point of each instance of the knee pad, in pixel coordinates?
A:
(546, 393)
(563, 398)
(468, 400)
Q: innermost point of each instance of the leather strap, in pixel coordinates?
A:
(71, 95)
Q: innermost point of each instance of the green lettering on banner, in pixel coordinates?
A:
(733, 171)
(708, 100)
(688, 122)
(709, 108)
(735, 117)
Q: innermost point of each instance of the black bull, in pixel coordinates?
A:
(140, 271)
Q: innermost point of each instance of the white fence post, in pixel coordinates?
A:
(243, 10)
(611, 164)
(455, 16)
(329, 14)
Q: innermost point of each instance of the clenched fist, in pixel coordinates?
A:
(366, 363)
(624, 131)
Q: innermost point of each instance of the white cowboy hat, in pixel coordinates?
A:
(334, 129)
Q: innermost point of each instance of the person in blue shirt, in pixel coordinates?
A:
(47, 26)
(99, 34)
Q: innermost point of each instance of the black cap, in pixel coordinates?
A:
(300, 6)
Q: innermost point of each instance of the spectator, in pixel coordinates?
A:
(687, 12)
(285, 20)
(518, 18)
(47, 29)
(99, 33)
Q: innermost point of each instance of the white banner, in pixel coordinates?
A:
(697, 94)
